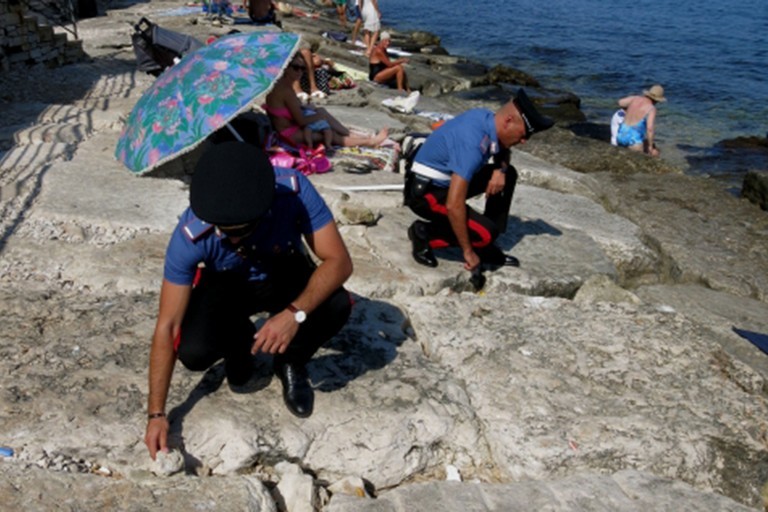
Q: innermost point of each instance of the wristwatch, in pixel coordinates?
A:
(298, 314)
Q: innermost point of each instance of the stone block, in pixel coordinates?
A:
(45, 33)
(9, 19)
(755, 188)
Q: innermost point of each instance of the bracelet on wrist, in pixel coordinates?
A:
(154, 415)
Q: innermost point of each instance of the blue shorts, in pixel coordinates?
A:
(319, 126)
(353, 12)
(316, 126)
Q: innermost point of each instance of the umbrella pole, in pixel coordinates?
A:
(234, 132)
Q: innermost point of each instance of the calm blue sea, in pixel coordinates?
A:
(711, 58)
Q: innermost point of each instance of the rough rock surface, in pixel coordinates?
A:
(755, 188)
(603, 374)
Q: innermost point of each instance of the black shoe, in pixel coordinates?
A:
(298, 395)
(239, 369)
(495, 257)
(422, 252)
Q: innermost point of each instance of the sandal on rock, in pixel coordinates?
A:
(303, 97)
(318, 95)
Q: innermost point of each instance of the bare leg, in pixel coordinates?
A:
(361, 140)
(372, 43)
(367, 42)
(299, 138)
(356, 29)
(310, 71)
(341, 10)
(328, 138)
(650, 149)
(308, 137)
(396, 72)
(335, 123)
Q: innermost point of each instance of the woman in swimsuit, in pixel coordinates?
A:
(638, 129)
(385, 71)
(289, 119)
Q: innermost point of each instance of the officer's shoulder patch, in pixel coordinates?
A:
(196, 229)
(286, 182)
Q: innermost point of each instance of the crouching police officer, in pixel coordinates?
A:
(451, 166)
(237, 250)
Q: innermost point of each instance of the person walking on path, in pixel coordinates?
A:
(237, 250)
(371, 24)
(384, 71)
(354, 15)
(452, 166)
(341, 10)
(638, 130)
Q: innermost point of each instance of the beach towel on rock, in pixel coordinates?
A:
(335, 36)
(402, 104)
(616, 120)
(355, 74)
(362, 160)
(757, 339)
(342, 81)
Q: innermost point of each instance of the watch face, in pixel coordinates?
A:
(300, 316)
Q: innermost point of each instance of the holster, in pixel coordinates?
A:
(416, 186)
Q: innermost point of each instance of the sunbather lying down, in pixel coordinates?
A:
(289, 120)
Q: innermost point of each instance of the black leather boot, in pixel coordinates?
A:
(298, 395)
(422, 252)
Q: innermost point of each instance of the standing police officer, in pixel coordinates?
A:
(237, 251)
(451, 166)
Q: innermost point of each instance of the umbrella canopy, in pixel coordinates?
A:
(200, 94)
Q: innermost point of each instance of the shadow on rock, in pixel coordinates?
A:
(516, 231)
(369, 341)
(519, 229)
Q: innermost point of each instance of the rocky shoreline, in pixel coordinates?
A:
(604, 373)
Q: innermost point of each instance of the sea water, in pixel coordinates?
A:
(711, 58)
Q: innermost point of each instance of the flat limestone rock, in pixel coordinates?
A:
(26, 488)
(628, 490)
(562, 404)
(115, 206)
(561, 388)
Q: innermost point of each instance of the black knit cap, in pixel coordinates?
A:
(534, 122)
(233, 184)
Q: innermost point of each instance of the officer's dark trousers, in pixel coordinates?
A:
(483, 228)
(217, 325)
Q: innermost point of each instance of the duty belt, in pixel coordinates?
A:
(429, 172)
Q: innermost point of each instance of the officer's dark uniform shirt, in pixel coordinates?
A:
(297, 209)
(462, 145)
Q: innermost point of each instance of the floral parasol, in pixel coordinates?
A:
(202, 93)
